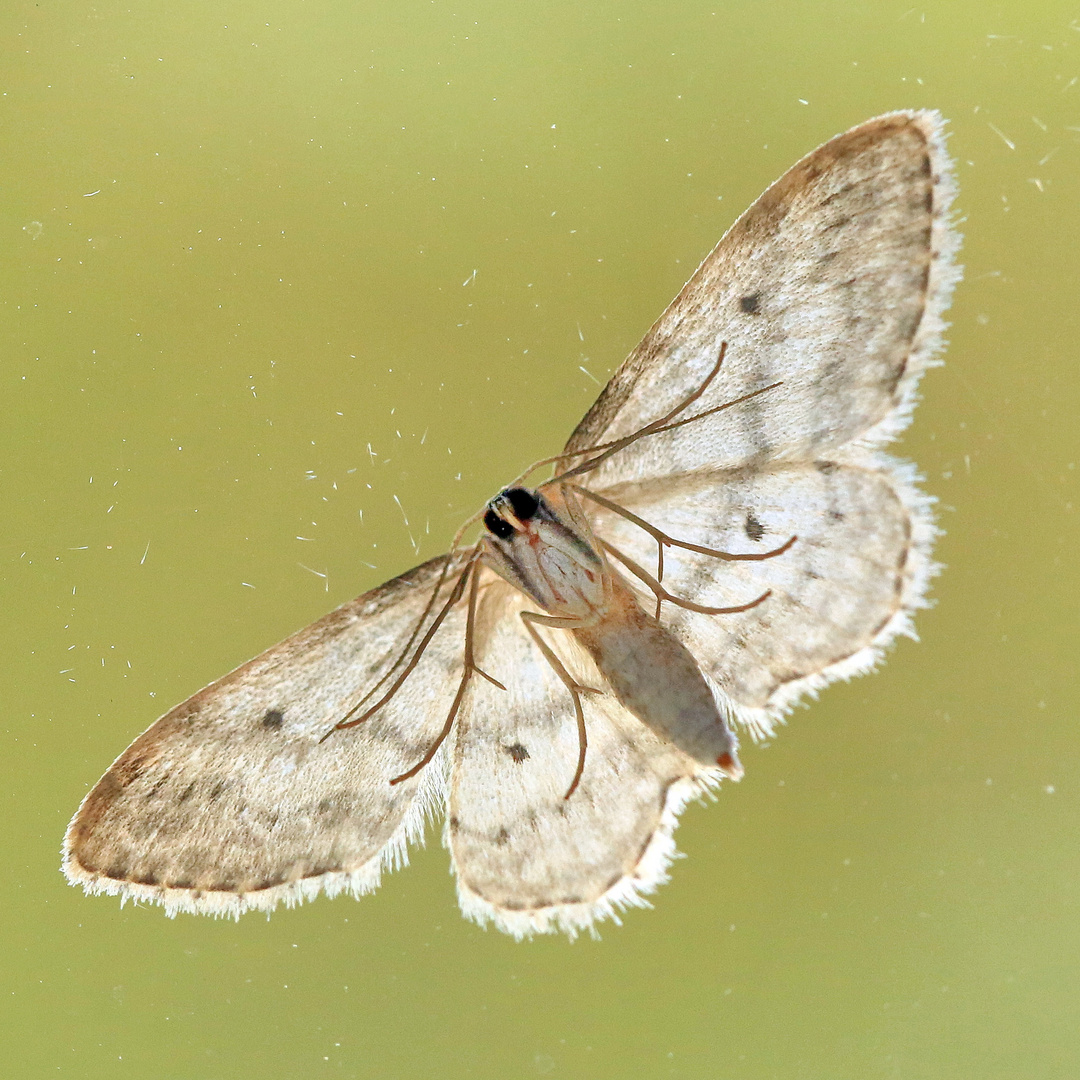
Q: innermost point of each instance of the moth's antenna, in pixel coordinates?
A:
(647, 430)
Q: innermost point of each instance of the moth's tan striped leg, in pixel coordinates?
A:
(662, 594)
(531, 619)
(626, 440)
(404, 650)
(455, 595)
(656, 425)
(663, 540)
(665, 423)
(423, 615)
(466, 674)
(622, 444)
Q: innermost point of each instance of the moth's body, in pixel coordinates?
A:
(468, 686)
(550, 556)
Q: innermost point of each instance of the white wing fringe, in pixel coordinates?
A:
(631, 891)
(428, 805)
(921, 568)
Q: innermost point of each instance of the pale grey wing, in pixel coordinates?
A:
(833, 283)
(844, 589)
(232, 801)
(526, 858)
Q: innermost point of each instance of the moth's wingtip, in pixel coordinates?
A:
(932, 120)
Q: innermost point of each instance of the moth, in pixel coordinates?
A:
(721, 536)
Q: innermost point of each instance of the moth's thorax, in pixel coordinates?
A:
(541, 553)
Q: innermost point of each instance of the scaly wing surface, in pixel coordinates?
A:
(843, 590)
(233, 801)
(526, 858)
(832, 284)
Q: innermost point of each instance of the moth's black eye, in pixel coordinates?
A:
(497, 527)
(524, 502)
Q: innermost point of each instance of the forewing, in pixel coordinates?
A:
(527, 858)
(845, 588)
(232, 800)
(833, 284)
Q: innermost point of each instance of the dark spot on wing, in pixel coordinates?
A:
(502, 838)
(826, 467)
(454, 824)
(216, 791)
(181, 883)
(840, 193)
(753, 528)
(146, 878)
(836, 515)
(126, 771)
(274, 718)
(118, 872)
(751, 304)
(517, 752)
(186, 793)
(158, 786)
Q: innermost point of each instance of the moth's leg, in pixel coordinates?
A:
(455, 595)
(621, 444)
(618, 444)
(454, 547)
(651, 428)
(663, 540)
(662, 594)
(467, 672)
(403, 652)
(664, 423)
(531, 619)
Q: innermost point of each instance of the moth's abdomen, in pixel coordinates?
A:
(655, 676)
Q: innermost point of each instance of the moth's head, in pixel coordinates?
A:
(511, 511)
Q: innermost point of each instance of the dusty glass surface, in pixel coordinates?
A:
(288, 290)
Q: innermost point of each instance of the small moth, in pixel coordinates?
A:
(721, 536)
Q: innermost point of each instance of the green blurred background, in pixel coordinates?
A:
(289, 289)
